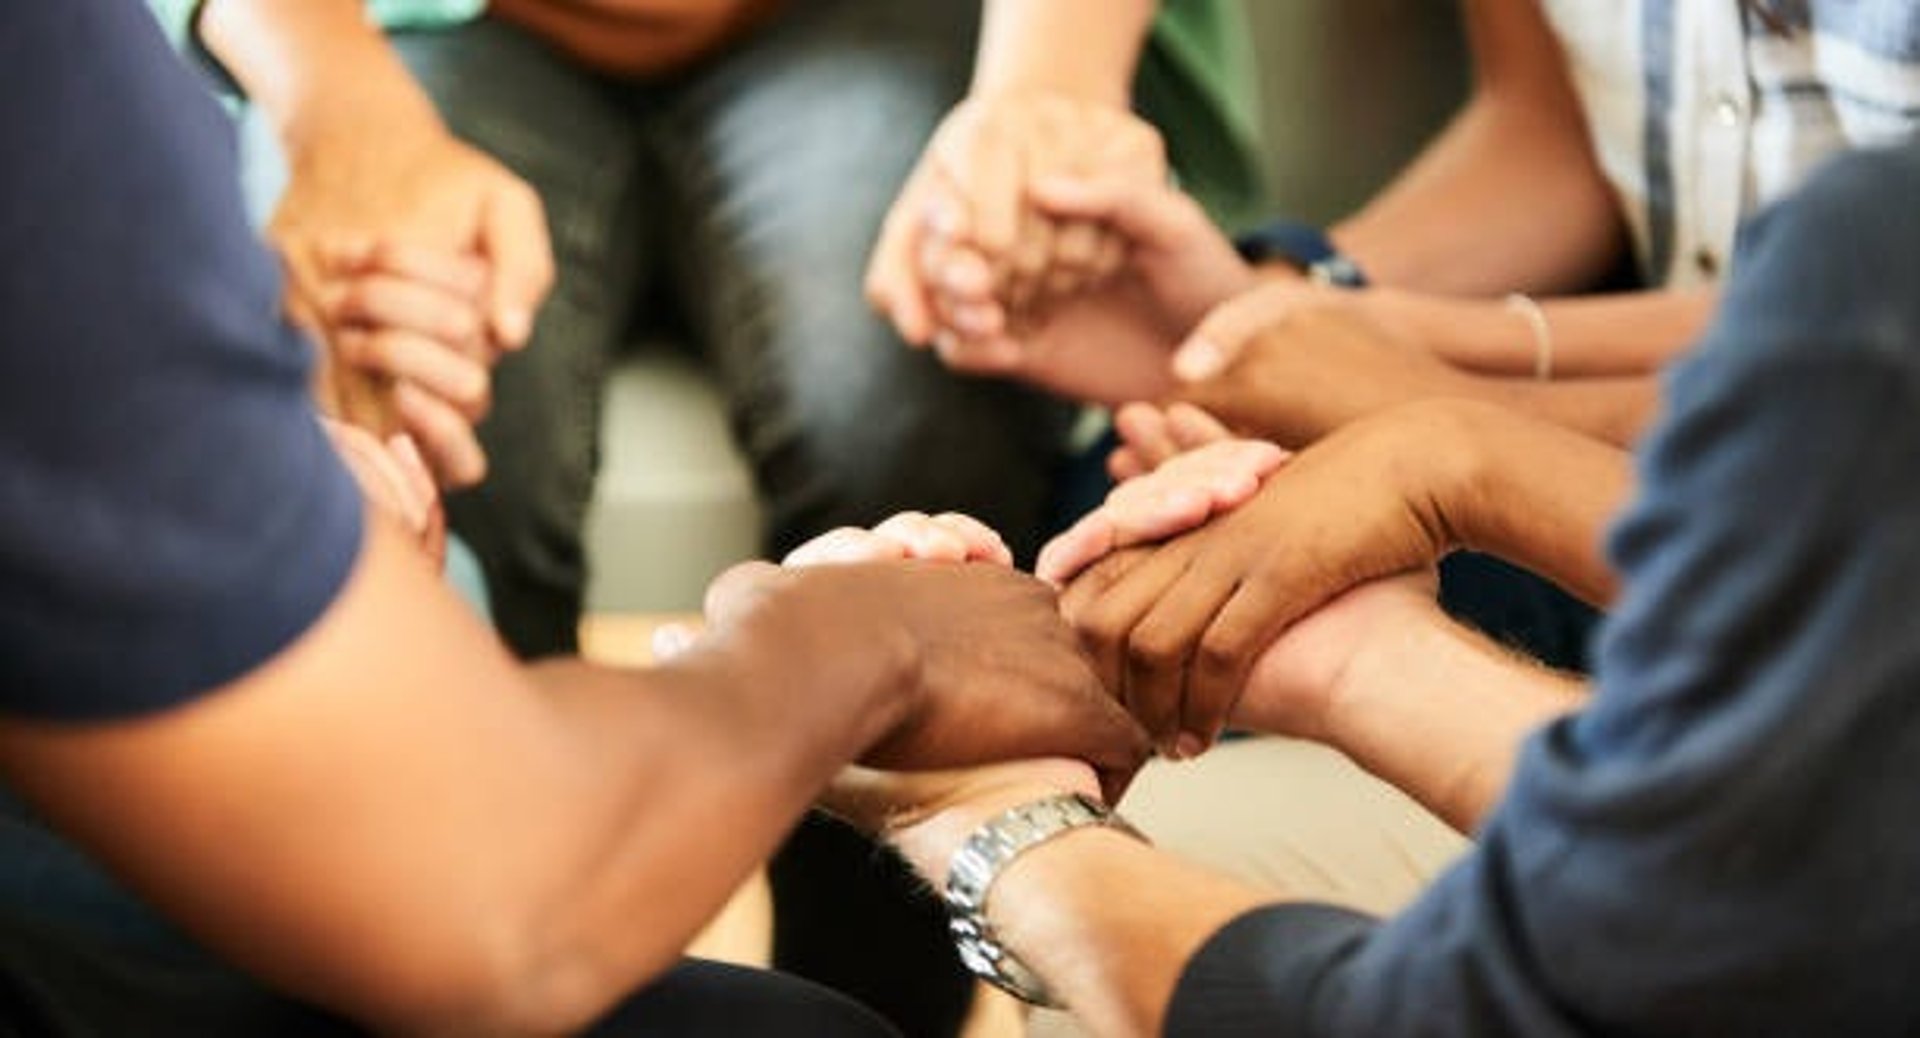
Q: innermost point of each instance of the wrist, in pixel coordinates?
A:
(315, 69)
(929, 836)
(1017, 56)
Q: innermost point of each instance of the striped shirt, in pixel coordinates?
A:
(1702, 110)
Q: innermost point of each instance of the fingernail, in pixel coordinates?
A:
(1199, 360)
(1188, 746)
(671, 640)
(515, 326)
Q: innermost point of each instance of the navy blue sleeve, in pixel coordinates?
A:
(1725, 841)
(171, 516)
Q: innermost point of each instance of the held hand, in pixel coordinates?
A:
(1109, 342)
(1181, 495)
(947, 537)
(394, 481)
(1176, 630)
(988, 670)
(1151, 436)
(971, 187)
(1293, 363)
(414, 184)
(408, 348)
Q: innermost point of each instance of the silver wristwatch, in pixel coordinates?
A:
(979, 862)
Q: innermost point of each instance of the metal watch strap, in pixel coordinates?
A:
(982, 858)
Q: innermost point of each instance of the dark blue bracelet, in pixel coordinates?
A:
(1304, 246)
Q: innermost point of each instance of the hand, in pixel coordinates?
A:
(971, 186)
(928, 815)
(1292, 363)
(1109, 342)
(414, 184)
(948, 537)
(987, 669)
(408, 348)
(1151, 436)
(394, 481)
(1179, 496)
(1176, 630)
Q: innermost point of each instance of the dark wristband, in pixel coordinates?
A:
(1304, 246)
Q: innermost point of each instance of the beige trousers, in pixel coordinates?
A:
(1290, 816)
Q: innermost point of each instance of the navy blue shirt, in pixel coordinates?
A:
(171, 516)
(1727, 840)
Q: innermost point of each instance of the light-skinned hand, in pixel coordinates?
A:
(970, 187)
(395, 483)
(1182, 494)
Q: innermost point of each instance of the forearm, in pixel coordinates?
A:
(432, 843)
(1509, 198)
(313, 66)
(1599, 336)
(1440, 713)
(1534, 493)
(1613, 410)
(1021, 48)
(1107, 921)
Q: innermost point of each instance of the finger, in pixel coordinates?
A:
(1152, 509)
(460, 274)
(984, 543)
(1111, 257)
(380, 301)
(1147, 214)
(894, 287)
(433, 521)
(1027, 264)
(1081, 545)
(1125, 464)
(1076, 248)
(1219, 339)
(1161, 651)
(990, 180)
(1226, 473)
(848, 544)
(457, 379)
(924, 539)
(962, 273)
(381, 478)
(1191, 427)
(736, 589)
(1143, 427)
(1245, 626)
(413, 471)
(516, 243)
(1106, 623)
(671, 640)
(993, 355)
(444, 435)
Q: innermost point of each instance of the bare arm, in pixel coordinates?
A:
(437, 842)
(315, 67)
(1429, 706)
(1021, 48)
(460, 848)
(1509, 198)
(1632, 333)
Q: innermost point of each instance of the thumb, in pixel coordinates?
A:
(734, 591)
(1222, 336)
(514, 239)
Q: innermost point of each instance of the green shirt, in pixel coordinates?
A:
(1196, 83)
